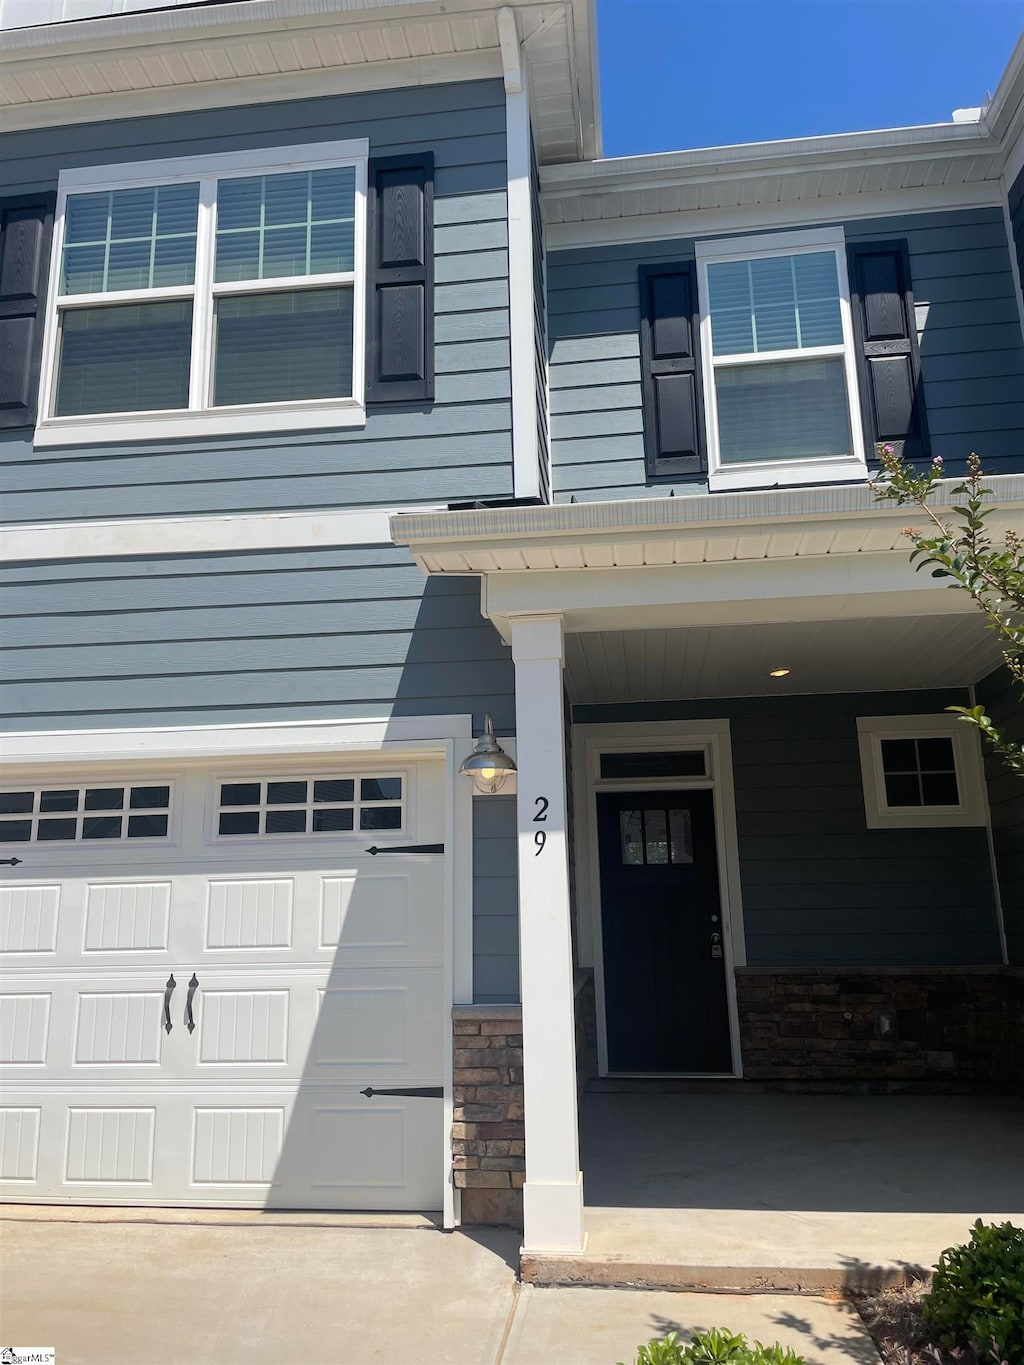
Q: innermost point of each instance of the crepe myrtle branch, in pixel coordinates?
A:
(963, 550)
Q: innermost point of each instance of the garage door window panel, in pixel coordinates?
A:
(78, 814)
(312, 806)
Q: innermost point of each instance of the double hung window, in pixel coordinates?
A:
(209, 294)
(780, 379)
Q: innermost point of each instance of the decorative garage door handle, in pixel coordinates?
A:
(407, 848)
(423, 1092)
(168, 992)
(193, 986)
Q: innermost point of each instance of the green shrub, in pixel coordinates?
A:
(716, 1347)
(977, 1294)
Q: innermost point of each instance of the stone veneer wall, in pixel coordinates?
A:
(488, 1132)
(953, 1024)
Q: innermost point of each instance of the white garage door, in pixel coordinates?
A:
(202, 971)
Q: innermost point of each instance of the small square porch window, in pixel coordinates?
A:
(780, 379)
(920, 771)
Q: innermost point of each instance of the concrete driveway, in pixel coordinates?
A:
(134, 1293)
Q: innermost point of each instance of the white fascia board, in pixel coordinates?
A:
(829, 152)
(417, 735)
(851, 587)
(1014, 163)
(798, 213)
(498, 525)
(196, 535)
(1006, 103)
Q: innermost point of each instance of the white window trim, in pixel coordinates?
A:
(762, 473)
(967, 757)
(203, 419)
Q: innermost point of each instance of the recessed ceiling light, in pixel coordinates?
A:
(779, 673)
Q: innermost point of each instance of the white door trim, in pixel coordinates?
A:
(448, 738)
(589, 741)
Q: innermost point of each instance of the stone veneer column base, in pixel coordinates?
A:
(488, 1131)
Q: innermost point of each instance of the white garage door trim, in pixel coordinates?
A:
(30, 756)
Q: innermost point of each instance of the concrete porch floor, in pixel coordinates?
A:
(784, 1191)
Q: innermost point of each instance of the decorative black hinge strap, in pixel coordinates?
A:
(407, 848)
(13, 862)
(424, 1092)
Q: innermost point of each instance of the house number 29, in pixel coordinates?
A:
(540, 838)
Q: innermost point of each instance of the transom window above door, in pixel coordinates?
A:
(315, 805)
(779, 373)
(208, 294)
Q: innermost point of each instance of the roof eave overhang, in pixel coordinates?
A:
(784, 524)
(214, 56)
(642, 195)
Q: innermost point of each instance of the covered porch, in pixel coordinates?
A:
(708, 692)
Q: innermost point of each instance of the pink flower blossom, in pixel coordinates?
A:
(937, 462)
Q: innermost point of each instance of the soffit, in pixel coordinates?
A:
(208, 56)
(871, 654)
(659, 532)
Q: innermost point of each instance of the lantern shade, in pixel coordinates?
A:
(488, 765)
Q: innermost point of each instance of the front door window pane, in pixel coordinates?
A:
(631, 829)
(655, 836)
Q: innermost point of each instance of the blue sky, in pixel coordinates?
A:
(699, 73)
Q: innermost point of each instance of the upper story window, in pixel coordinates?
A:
(780, 380)
(210, 294)
(766, 363)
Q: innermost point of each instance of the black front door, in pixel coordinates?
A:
(666, 1007)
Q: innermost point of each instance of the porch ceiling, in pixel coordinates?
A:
(865, 655)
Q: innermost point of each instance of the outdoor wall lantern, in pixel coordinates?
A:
(488, 765)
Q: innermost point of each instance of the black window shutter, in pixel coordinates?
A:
(888, 363)
(400, 284)
(26, 226)
(670, 363)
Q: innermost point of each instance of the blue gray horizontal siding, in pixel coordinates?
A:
(1005, 704)
(972, 354)
(209, 639)
(1015, 203)
(495, 901)
(458, 448)
(820, 888)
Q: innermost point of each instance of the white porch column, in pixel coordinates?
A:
(553, 1193)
